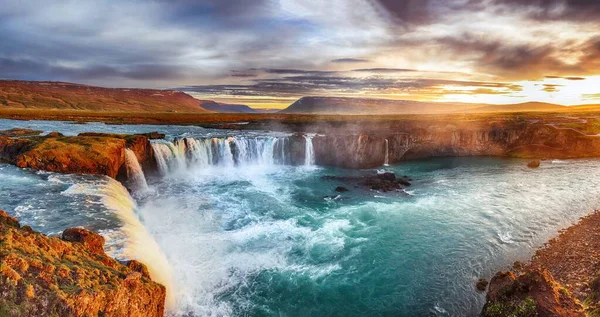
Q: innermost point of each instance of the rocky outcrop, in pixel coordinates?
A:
(87, 153)
(562, 278)
(534, 293)
(139, 144)
(84, 155)
(72, 276)
(384, 182)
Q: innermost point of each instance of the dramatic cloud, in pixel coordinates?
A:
(274, 49)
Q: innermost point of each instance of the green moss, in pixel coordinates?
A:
(524, 308)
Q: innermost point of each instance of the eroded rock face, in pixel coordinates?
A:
(48, 276)
(533, 293)
(87, 153)
(368, 149)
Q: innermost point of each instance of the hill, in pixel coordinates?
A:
(226, 108)
(358, 106)
(335, 105)
(60, 95)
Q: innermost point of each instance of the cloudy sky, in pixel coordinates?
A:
(267, 53)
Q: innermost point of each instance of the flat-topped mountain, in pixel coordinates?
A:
(335, 105)
(226, 108)
(60, 95)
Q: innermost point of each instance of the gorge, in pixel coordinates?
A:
(225, 218)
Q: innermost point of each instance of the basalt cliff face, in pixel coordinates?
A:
(368, 149)
(70, 276)
(87, 153)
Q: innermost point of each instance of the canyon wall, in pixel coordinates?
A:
(368, 149)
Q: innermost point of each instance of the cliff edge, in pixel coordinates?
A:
(70, 276)
(562, 279)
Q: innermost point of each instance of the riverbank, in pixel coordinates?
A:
(561, 279)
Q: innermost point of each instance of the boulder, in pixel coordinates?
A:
(139, 267)
(481, 284)
(54, 134)
(341, 189)
(93, 241)
(534, 164)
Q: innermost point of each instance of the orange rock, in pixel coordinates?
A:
(93, 241)
(48, 276)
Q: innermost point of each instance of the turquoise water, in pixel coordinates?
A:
(264, 240)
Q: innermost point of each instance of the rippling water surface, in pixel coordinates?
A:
(264, 240)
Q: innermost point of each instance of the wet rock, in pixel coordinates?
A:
(138, 267)
(54, 134)
(93, 241)
(20, 132)
(385, 182)
(341, 189)
(481, 284)
(534, 164)
(8, 220)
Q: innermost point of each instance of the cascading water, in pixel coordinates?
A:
(140, 245)
(386, 162)
(224, 152)
(309, 153)
(135, 175)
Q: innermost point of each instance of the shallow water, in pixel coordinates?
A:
(261, 239)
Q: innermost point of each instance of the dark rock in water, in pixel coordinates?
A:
(341, 189)
(387, 176)
(54, 134)
(385, 182)
(481, 284)
(534, 164)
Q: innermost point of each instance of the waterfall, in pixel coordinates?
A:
(309, 153)
(386, 162)
(140, 244)
(224, 152)
(135, 175)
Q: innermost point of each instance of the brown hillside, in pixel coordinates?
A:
(59, 95)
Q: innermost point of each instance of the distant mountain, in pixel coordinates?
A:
(226, 108)
(60, 95)
(363, 106)
(334, 105)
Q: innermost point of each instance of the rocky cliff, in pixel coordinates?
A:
(368, 149)
(70, 276)
(87, 153)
